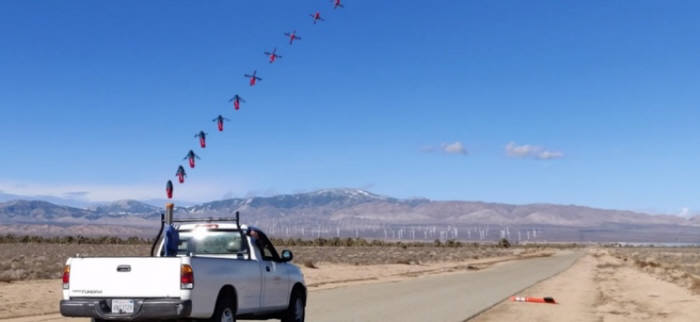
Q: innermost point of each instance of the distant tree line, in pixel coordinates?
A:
(79, 239)
(331, 242)
(280, 242)
(360, 242)
(450, 243)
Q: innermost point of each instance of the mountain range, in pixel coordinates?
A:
(359, 213)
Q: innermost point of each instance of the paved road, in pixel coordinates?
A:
(448, 298)
(443, 298)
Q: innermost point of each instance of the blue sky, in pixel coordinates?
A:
(592, 103)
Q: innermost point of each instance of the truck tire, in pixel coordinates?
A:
(297, 308)
(224, 311)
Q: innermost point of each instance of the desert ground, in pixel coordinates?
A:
(604, 284)
(32, 261)
(35, 268)
(615, 284)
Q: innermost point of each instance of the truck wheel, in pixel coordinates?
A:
(224, 311)
(297, 308)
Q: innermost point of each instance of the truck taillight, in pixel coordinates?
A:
(66, 277)
(186, 277)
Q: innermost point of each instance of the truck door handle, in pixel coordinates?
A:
(267, 268)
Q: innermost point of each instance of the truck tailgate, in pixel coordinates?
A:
(129, 277)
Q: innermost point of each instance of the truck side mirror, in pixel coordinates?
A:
(287, 255)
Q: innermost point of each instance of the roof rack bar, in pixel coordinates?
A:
(210, 219)
(204, 219)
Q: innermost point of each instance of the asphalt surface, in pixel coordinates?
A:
(449, 298)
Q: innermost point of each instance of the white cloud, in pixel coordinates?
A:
(531, 151)
(454, 148)
(450, 148)
(522, 151)
(190, 191)
(547, 155)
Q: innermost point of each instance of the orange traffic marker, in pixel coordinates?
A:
(549, 300)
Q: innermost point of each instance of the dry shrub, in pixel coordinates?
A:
(602, 299)
(29, 261)
(695, 285)
(643, 263)
(680, 265)
(310, 264)
(608, 265)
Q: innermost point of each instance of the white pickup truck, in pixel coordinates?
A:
(222, 271)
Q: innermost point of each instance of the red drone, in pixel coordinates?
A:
(169, 189)
(292, 36)
(220, 122)
(236, 99)
(191, 156)
(273, 55)
(253, 78)
(181, 174)
(337, 4)
(317, 16)
(202, 139)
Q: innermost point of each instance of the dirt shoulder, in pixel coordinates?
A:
(29, 298)
(600, 287)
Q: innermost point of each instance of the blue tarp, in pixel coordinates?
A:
(171, 241)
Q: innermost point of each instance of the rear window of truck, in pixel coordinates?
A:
(213, 242)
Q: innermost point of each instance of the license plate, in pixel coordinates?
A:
(122, 306)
